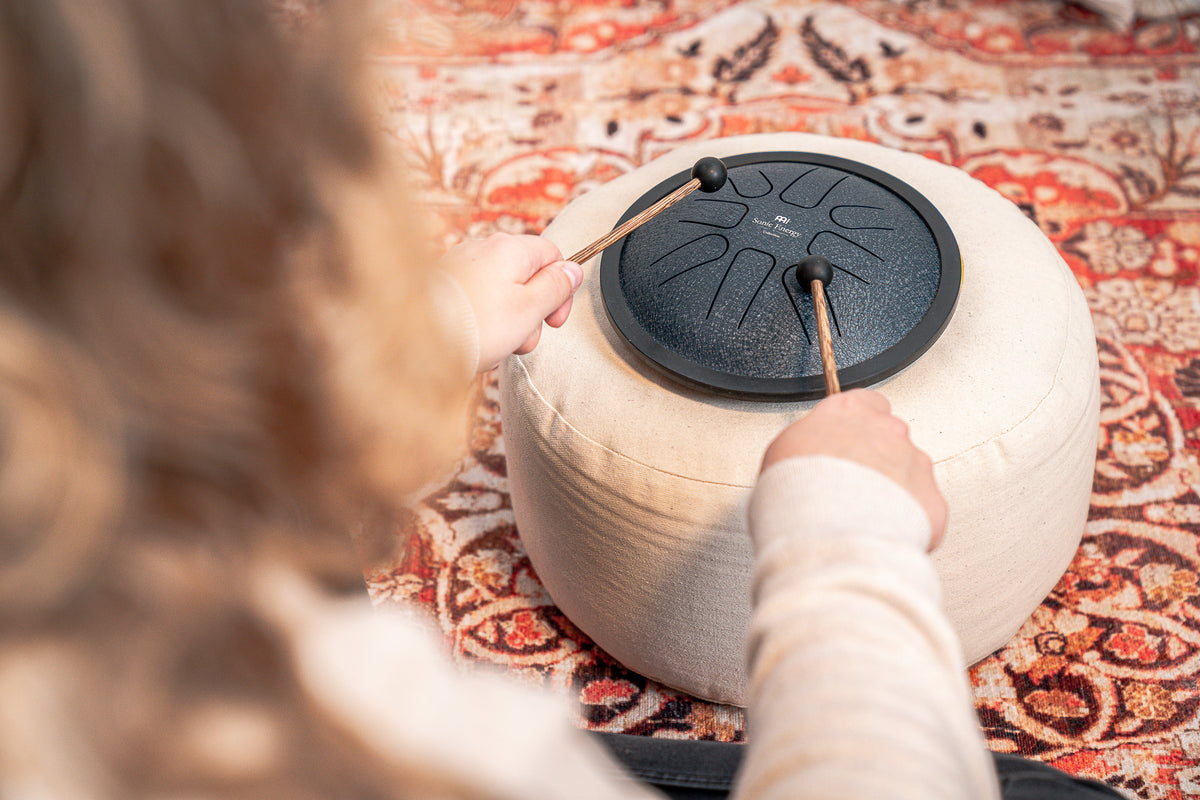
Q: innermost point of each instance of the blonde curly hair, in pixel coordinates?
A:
(216, 345)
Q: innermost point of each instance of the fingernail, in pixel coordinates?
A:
(574, 272)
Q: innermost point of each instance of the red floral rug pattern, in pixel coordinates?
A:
(507, 111)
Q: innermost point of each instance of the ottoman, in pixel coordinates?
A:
(630, 489)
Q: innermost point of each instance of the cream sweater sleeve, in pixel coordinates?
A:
(448, 732)
(858, 688)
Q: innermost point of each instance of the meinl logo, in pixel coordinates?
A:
(784, 220)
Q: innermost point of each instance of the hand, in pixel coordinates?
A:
(858, 425)
(514, 284)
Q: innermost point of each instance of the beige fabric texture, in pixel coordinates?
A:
(630, 490)
(1122, 14)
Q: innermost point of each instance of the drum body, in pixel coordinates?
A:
(630, 487)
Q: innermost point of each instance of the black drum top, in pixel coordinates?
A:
(707, 290)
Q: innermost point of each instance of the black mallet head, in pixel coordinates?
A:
(814, 268)
(711, 173)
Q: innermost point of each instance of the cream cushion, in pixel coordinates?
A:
(630, 490)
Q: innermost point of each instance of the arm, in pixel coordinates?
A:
(857, 682)
(383, 677)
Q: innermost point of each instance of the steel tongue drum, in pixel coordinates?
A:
(707, 289)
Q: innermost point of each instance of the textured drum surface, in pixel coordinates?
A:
(706, 290)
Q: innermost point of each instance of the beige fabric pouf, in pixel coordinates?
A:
(630, 490)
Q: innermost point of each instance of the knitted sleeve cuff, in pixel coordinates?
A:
(827, 497)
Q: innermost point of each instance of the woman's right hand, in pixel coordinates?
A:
(858, 425)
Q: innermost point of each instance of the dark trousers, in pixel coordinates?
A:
(696, 770)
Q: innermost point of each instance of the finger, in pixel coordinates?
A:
(538, 252)
(939, 518)
(551, 287)
(897, 427)
(530, 343)
(925, 489)
(560, 314)
(868, 399)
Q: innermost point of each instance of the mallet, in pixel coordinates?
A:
(708, 175)
(814, 274)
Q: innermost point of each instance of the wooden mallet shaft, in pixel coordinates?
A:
(708, 175)
(815, 273)
(825, 338)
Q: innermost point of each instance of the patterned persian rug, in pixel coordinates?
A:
(509, 110)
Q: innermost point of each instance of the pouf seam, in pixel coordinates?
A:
(528, 379)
